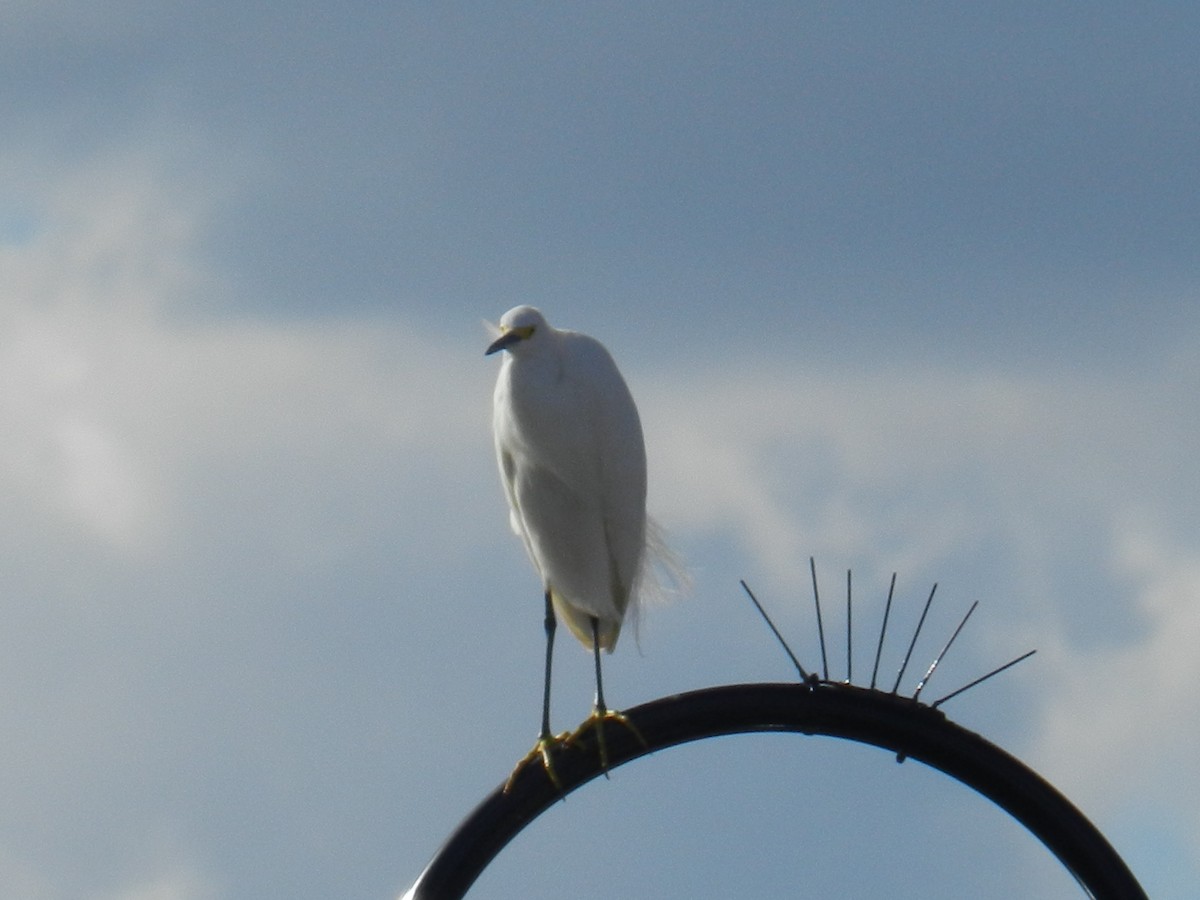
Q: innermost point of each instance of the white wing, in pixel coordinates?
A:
(570, 450)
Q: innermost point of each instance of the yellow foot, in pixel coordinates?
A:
(542, 749)
(596, 722)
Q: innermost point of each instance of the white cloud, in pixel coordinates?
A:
(1073, 487)
(110, 400)
(1122, 723)
(896, 465)
(109, 251)
(164, 475)
(254, 452)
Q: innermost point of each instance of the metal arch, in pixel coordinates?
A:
(906, 727)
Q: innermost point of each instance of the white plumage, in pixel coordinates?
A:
(573, 463)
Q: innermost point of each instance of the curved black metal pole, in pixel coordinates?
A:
(899, 724)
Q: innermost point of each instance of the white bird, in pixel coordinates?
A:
(573, 464)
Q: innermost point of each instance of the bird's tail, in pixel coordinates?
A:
(663, 577)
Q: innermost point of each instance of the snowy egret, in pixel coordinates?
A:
(573, 463)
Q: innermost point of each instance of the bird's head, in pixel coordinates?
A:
(518, 325)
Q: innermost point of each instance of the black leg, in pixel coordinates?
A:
(600, 707)
(601, 714)
(546, 741)
(551, 625)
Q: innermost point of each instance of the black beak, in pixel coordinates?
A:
(503, 342)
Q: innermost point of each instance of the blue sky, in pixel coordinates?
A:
(905, 288)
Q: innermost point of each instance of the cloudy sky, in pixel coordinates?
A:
(905, 288)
